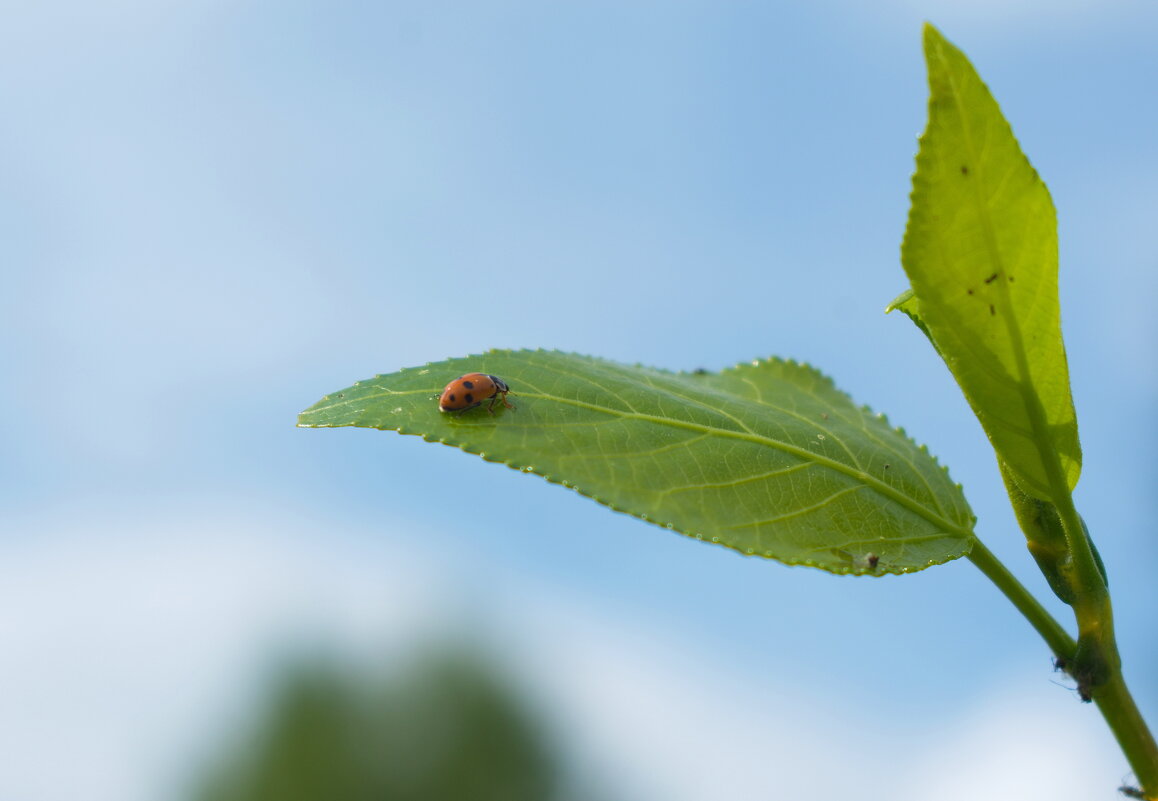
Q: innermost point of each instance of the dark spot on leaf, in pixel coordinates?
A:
(992, 310)
(991, 279)
(887, 465)
(970, 291)
(872, 560)
(468, 384)
(964, 170)
(1011, 279)
(468, 397)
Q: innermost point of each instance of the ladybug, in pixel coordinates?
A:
(470, 390)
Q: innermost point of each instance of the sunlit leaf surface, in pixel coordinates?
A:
(981, 253)
(768, 458)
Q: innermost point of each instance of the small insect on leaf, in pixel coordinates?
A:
(471, 390)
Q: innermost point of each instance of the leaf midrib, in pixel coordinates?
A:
(858, 475)
(1039, 424)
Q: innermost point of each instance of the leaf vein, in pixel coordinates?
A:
(735, 482)
(800, 512)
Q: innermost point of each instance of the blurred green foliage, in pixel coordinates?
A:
(445, 729)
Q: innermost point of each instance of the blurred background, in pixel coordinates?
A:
(213, 212)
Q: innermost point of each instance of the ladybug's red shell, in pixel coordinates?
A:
(470, 390)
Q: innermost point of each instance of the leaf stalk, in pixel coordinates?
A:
(1055, 636)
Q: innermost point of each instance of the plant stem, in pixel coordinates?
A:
(1097, 654)
(1056, 637)
(1134, 738)
(1113, 698)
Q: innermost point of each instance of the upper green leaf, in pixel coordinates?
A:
(981, 253)
(768, 458)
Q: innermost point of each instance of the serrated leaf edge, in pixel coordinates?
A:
(513, 465)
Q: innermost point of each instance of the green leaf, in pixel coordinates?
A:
(908, 304)
(768, 458)
(980, 251)
(1039, 519)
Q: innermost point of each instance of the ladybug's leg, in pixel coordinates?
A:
(495, 399)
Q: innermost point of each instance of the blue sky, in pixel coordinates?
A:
(214, 212)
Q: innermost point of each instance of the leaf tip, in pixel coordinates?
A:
(899, 301)
(932, 38)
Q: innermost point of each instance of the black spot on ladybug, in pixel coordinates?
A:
(991, 279)
(469, 397)
(453, 399)
(468, 385)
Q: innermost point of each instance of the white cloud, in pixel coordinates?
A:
(127, 644)
(667, 721)
(124, 640)
(1025, 743)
